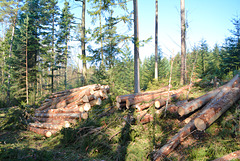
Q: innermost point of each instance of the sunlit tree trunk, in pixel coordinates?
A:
(83, 42)
(136, 49)
(156, 42)
(183, 43)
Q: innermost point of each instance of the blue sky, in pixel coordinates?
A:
(207, 19)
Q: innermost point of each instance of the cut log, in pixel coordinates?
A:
(46, 126)
(160, 102)
(123, 98)
(84, 115)
(87, 106)
(58, 115)
(55, 120)
(142, 106)
(147, 98)
(216, 109)
(45, 132)
(97, 101)
(174, 141)
(232, 156)
(61, 110)
(201, 101)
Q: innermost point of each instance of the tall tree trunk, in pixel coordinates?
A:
(27, 60)
(83, 42)
(52, 56)
(156, 42)
(66, 57)
(136, 49)
(183, 43)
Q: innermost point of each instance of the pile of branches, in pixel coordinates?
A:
(63, 108)
(213, 105)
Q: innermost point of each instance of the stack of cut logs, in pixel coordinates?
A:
(157, 98)
(213, 105)
(66, 107)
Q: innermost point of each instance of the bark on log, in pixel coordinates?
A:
(142, 106)
(123, 98)
(50, 126)
(45, 132)
(174, 141)
(216, 109)
(58, 115)
(201, 101)
(160, 102)
(63, 110)
(231, 156)
(147, 98)
(55, 120)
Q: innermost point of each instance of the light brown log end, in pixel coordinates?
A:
(86, 106)
(200, 124)
(48, 134)
(81, 109)
(66, 124)
(85, 98)
(84, 115)
(181, 111)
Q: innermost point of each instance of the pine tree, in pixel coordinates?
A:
(66, 21)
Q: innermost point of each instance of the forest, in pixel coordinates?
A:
(35, 64)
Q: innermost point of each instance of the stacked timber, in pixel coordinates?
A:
(67, 107)
(213, 105)
(142, 101)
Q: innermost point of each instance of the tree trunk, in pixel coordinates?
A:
(174, 141)
(199, 102)
(136, 49)
(156, 42)
(183, 42)
(232, 156)
(216, 109)
(83, 42)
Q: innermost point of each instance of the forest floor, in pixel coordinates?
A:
(118, 139)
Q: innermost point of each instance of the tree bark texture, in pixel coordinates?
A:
(216, 109)
(136, 49)
(201, 101)
(231, 156)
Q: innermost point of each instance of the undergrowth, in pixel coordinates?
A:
(111, 134)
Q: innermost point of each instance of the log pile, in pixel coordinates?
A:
(212, 104)
(142, 101)
(63, 108)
